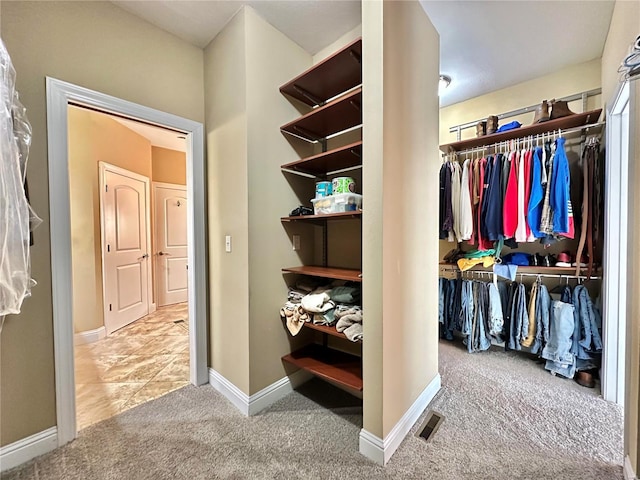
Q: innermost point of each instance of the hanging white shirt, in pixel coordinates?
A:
(466, 212)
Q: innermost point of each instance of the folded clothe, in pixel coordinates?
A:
(342, 310)
(345, 294)
(505, 271)
(516, 258)
(348, 319)
(317, 303)
(326, 318)
(509, 126)
(354, 332)
(295, 296)
(480, 253)
(467, 263)
(295, 317)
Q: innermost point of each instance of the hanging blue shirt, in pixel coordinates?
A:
(534, 210)
(559, 198)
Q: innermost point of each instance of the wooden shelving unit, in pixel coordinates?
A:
(338, 367)
(334, 75)
(327, 272)
(564, 123)
(336, 116)
(323, 217)
(334, 88)
(343, 157)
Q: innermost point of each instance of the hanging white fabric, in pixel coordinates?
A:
(16, 217)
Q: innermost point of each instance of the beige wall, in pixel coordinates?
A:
(400, 62)
(226, 127)
(99, 46)
(168, 166)
(622, 32)
(94, 138)
(272, 59)
(569, 80)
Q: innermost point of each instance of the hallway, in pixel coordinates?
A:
(136, 364)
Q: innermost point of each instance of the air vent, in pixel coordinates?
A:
(178, 321)
(430, 426)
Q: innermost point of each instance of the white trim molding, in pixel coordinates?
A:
(22, 451)
(89, 336)
(251, 405)
(379, 450)
(59, 95)
(629, 474)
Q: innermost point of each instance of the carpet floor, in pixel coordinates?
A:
(505, 418)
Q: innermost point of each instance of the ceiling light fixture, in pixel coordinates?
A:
(443, 82)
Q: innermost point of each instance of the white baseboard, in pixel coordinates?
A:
(24, 450)
(250, 405)
(89, 336)
(379, 450)
(629, 474)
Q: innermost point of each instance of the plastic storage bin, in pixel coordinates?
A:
(345, 202)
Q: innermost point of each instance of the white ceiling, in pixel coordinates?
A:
(312, 24)
(484, 45)
(159, 137)
(489, 45)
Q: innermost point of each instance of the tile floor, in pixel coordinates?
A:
(139, 362)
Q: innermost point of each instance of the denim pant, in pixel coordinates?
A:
(519, 318)
(543, 305)
(496, 321)
(587, 342)
(557, 352)
(480, 340)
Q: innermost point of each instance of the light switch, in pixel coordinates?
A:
(296, 242)
(227, 243)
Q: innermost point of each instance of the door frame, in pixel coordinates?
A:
(103, 169)
(59, 95)
(615, 250)
(154, 186)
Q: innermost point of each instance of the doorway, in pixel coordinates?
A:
(59, 96)
(615, 248)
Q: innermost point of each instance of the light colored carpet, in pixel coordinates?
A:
(505, 418)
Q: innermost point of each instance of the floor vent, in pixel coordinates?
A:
(178, 321)
(430, 426)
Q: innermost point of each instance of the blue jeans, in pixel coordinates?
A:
(519, 318)
(543, 305)
(496, 321)
(557, 352)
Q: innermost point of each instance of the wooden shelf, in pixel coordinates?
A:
(322, 163)
(340, 114)
(327, 272)
(564, 123)
(323, 217)
(327, 329)
(338, 367)
(334, 75)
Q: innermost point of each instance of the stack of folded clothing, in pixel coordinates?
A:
(321, 304)
(350, 322)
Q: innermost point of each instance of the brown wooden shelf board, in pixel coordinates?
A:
(332, 76)
(326, 363)
(326, 272)
(328, 329)
(340, 114)
(323, 217)
(563, 123)
(343, 157)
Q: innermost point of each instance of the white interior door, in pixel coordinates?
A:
(125, 238)
(170, 207)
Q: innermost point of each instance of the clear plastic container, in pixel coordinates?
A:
(344, 202)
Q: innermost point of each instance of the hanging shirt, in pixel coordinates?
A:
(446, 220)
(455, 199)
(528, 172)
(493, 218)
(483, 243)
(560, 199)
(466, 211)
(546, 219)
(521, 229)
(534, 212)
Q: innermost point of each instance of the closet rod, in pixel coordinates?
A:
(584, 129)
(559, 276)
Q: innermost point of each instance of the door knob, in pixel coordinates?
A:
(146, 255)
(164, 253)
